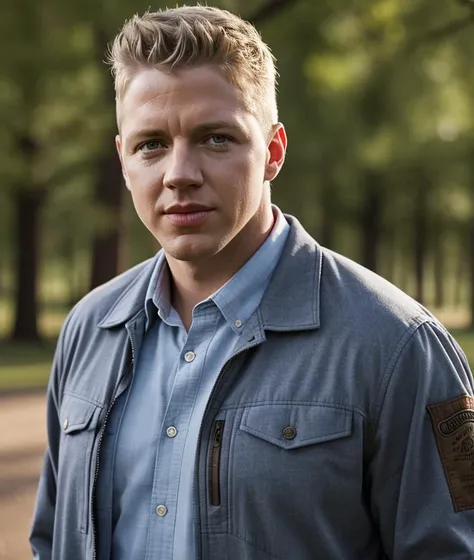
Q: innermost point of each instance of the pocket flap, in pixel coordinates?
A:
(77, 414)
(293, 426)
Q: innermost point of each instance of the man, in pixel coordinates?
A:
(246, 394)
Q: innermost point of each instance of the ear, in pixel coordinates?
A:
(276, 152)
(118, 145)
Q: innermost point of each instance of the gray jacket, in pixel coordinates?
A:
(327, 448)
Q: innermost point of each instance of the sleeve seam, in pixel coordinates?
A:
(392, 363)
(60, 365)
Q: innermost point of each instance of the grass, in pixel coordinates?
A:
(25, 366)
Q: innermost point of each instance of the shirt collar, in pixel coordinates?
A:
(292, 301)
(157, 299)
(238, 298)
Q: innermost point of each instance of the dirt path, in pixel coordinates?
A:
(22, 444)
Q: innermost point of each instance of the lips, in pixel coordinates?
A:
(187, 208)
(188, 214)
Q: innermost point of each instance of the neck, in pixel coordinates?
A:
(193, 282)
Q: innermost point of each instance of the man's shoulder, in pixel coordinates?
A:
(96, 305)
(351, 290)
(344, 295)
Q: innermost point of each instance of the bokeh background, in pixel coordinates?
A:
(378, 100)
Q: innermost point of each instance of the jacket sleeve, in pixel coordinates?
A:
(41, 535)
(421, 474)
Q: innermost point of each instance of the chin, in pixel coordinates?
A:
(191, 252)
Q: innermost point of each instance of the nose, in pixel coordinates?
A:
(182, 168)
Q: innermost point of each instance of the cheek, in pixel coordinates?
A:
(244, 195)
(249, 169)
(144, 187)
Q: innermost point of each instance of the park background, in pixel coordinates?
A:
(377, 97)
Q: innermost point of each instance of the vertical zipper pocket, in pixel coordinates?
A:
(215, 463)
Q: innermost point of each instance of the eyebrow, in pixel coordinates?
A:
(217, 125)
(198, 130)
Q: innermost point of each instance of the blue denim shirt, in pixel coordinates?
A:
(150, 448)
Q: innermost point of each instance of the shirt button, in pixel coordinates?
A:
(238, 323)
(65, 424)
(189, 356)
(289, 432)
(171, 432)
(161, 510)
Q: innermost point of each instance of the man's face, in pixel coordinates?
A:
(196, 161)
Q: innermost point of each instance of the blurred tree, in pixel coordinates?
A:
(376, 97)
(22, 77)
(109, 185)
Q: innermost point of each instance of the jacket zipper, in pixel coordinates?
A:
(97, 460)
(215, 463)
(196, 461)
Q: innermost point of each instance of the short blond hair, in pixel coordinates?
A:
(193, 35)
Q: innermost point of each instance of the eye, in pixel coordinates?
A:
(151, 146)
(218, 140)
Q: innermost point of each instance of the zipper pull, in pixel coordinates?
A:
(218, 433)
(214, 475)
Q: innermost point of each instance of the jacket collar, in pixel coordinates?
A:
(292, 299)
(132, 299)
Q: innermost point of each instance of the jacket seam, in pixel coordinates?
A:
(82, 398)
(392, 363)
(318, 275)
(220, 532)
(59, 374)
(322, 404)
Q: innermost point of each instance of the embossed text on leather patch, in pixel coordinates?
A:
(453, 423)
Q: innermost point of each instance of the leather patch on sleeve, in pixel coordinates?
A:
(453, 423)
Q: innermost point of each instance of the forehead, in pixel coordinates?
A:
(192, 94)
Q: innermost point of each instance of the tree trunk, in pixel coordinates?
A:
(405, 278)
(370, 223)
(462, 266)
(126, 240)
(420, 239)
(106, 245)
(470, 260)
(326, 226)
(389, 255)
(438, 268)
(28, 204)
(108, 194)
(269, 10)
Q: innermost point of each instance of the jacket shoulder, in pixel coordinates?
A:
(97, 303)
(364, 297)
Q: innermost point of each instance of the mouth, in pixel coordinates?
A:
(187, 208)
(188, 214)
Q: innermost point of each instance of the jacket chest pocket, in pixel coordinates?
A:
(284, 445)
(79, 422)
(289, 466)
